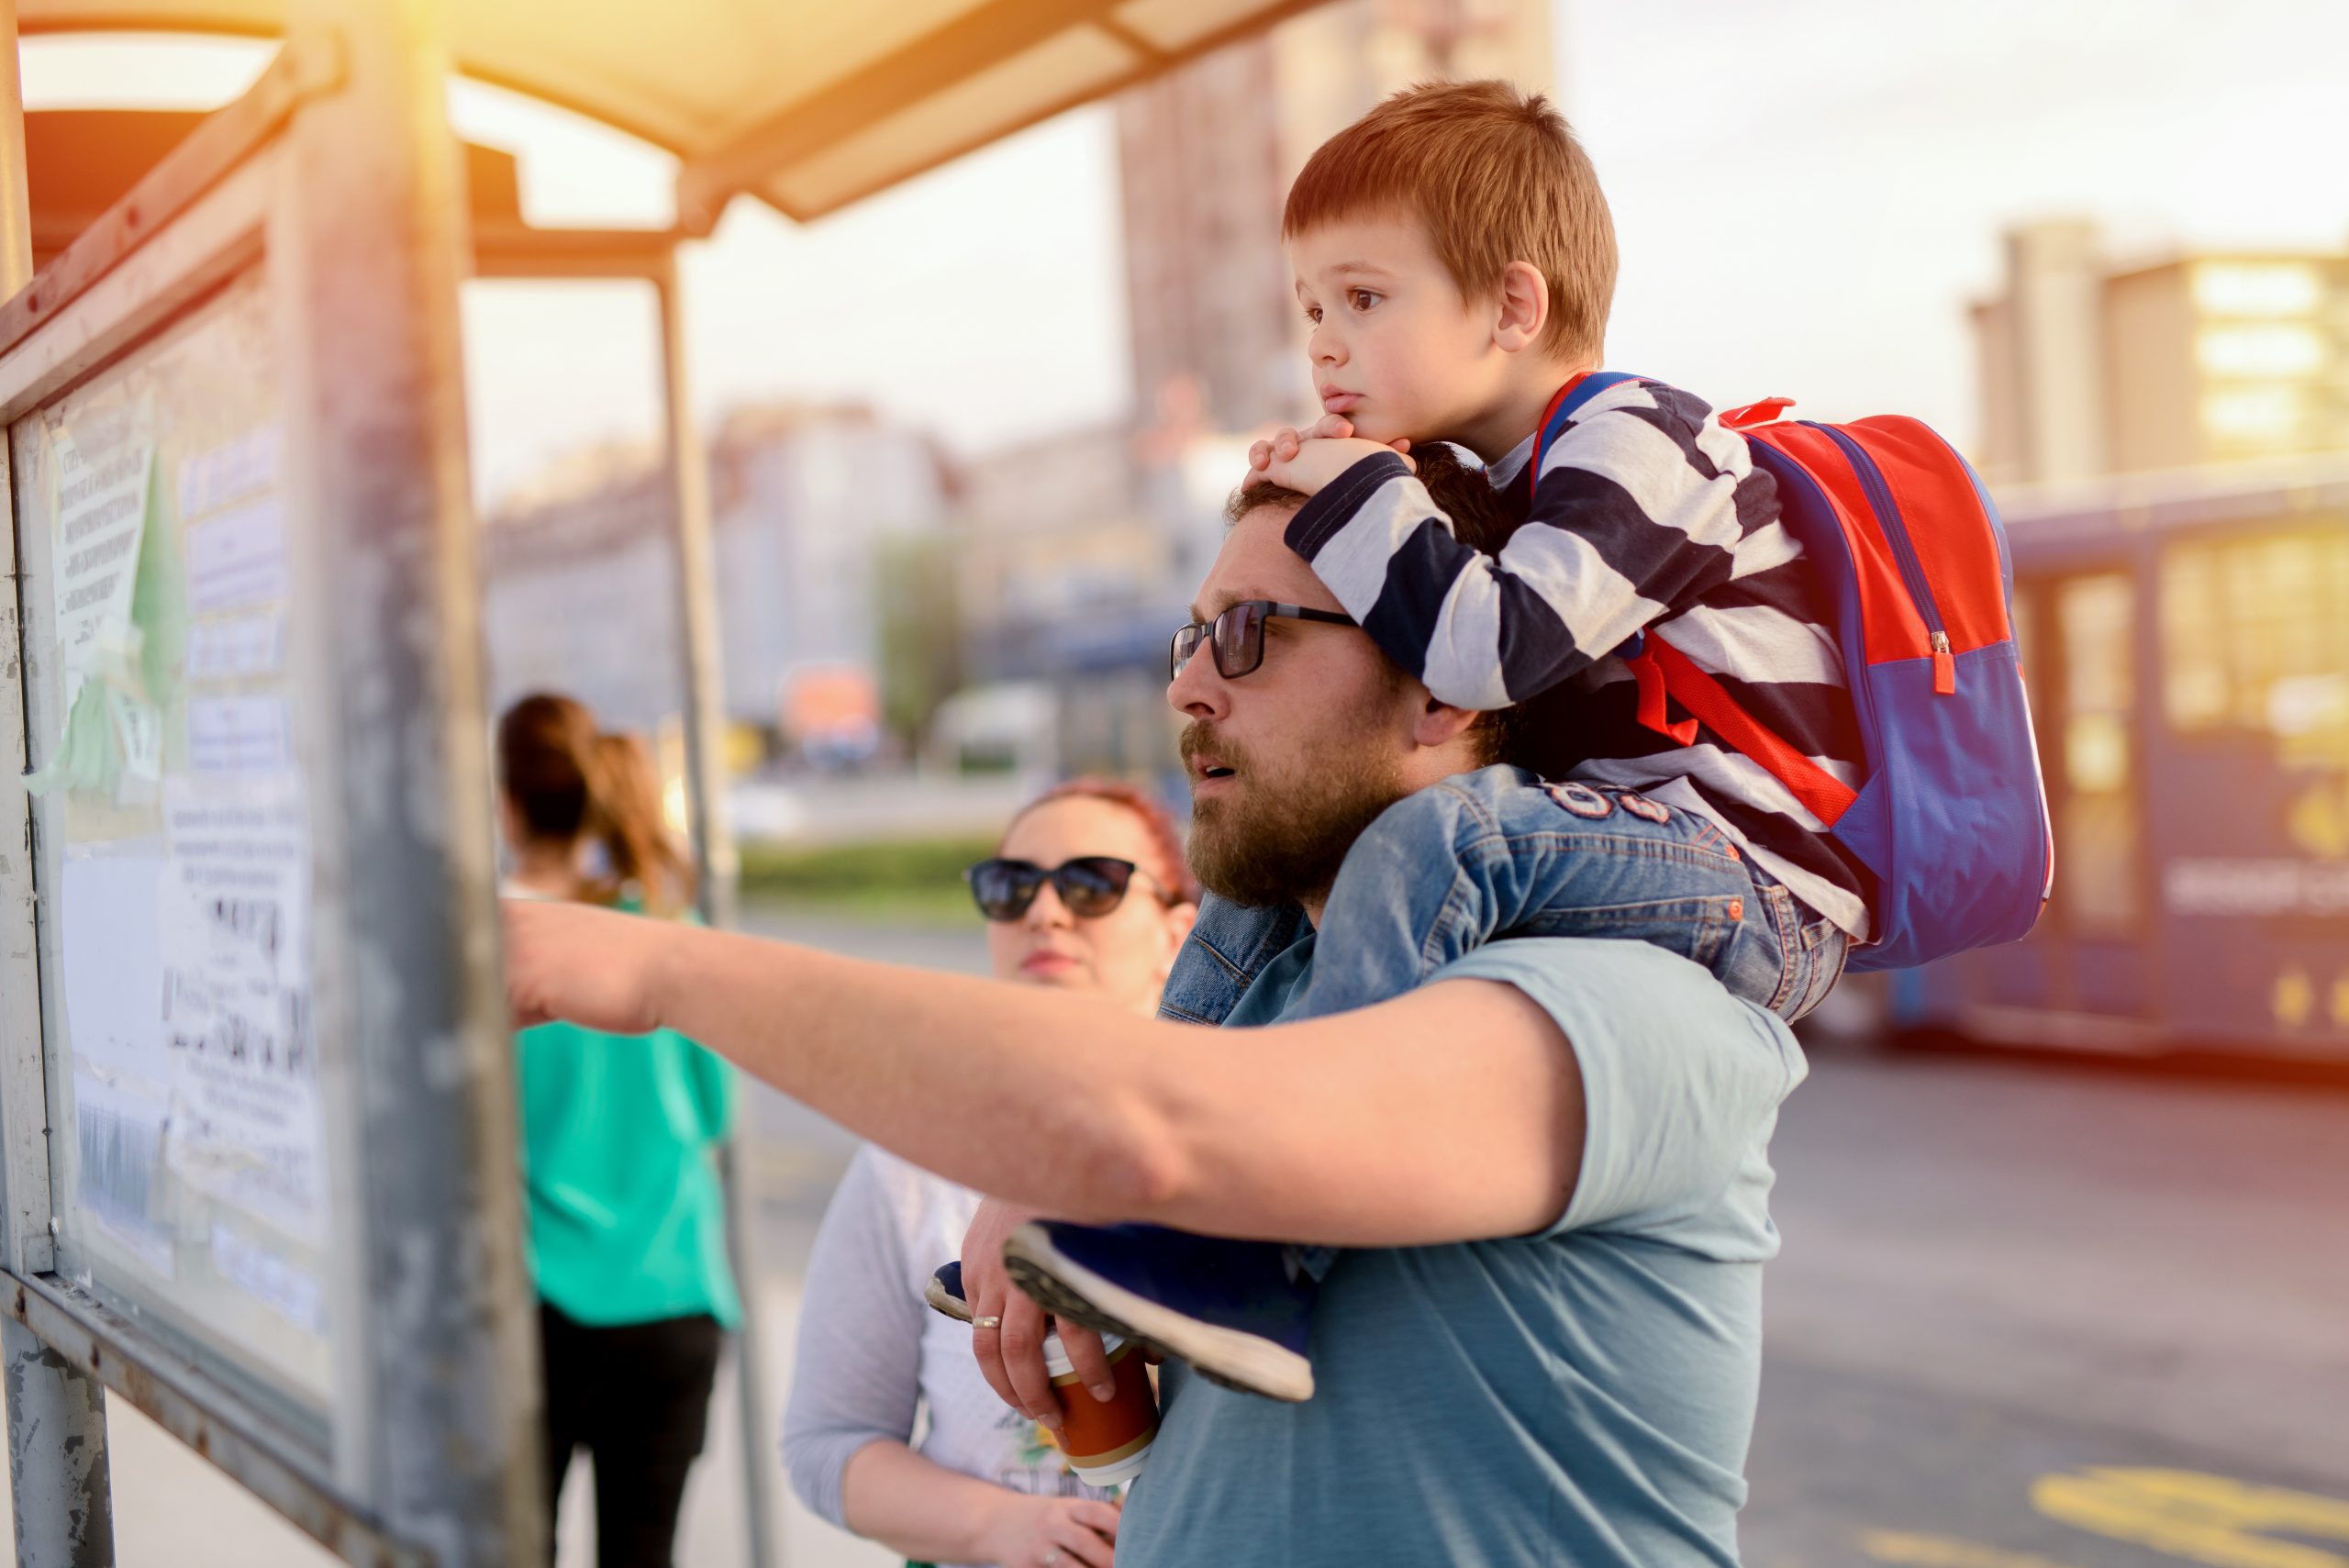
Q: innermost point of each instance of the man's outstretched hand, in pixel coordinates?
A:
(584, 965)
(1305, 461)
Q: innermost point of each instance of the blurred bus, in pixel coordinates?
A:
(2186, 637)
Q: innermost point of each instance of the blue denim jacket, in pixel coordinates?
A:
(1229, 946)
(1498, 852)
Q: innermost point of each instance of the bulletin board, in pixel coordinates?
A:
(258, 1153)
(193, 1190)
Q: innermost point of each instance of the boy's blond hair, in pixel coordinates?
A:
(1495, 177)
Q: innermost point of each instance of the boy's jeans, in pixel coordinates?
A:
(1498, 852)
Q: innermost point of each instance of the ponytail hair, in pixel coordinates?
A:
(567, 782)
(545, 757)
(630, 819)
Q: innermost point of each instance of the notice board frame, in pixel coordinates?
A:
(338, 173)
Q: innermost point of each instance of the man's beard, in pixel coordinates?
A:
(1282, 839)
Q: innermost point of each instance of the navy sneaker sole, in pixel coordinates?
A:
(944, 1292)
(1248, 1363)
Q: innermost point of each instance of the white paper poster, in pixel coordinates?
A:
(236, 910)
(284, 1286)
(101, 519)
(113, 972)
(236, 647)
(245, 466)
(238, 735)
(111, 940)
(237, 559)
(138, 724)
(119, 1132)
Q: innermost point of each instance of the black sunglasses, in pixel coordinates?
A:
(1236, 636)
(1090, 886)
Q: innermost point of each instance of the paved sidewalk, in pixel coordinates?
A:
(173, 1510)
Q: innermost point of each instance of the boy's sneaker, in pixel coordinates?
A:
(1229, 1309)
(944, 1292)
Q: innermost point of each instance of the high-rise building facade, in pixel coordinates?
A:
(1207, 154)
(2090, 367)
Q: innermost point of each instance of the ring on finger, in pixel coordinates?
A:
(1051, 1557)
(987, 1320)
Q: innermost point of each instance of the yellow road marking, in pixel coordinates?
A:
(1944, 1551)
(2199, 1518)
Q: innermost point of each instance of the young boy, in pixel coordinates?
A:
(1456, 259)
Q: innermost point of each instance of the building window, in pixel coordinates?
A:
(2256, 288)
(2263, 348)
(2239, 418)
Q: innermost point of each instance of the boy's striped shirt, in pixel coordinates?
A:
(1646, 513)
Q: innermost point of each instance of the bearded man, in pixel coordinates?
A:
(1548, 1163)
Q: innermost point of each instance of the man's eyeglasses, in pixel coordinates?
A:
(1090, 886)
(1236, 638)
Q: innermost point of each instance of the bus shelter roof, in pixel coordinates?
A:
(807, 104)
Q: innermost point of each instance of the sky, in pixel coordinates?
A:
(1807, 194)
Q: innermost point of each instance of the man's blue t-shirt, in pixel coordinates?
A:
(1580, 1396)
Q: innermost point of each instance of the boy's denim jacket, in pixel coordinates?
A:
(1226, 949)
(1493, 852)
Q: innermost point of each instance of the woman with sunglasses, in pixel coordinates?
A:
(1087, 891)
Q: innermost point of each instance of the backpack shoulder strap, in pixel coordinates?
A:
(1565, 406)
(1823, 794)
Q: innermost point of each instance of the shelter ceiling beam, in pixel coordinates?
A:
(988, 36)
(518, 250)
(304, 68)
(755, 161)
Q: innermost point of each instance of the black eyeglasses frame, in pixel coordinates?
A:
(1251, 651)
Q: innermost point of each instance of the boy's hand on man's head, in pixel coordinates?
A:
(1286, 440)
(1283, 444)
(1306, 466)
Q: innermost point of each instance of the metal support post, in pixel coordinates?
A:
(57, 1412)
(714, 860)
(368, 257)
(697, 618)
(760, 1435)
(57, 1456)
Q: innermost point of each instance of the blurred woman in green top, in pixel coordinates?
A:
(628, 1227)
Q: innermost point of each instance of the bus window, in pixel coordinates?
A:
(2256, 637)
(2097, 817)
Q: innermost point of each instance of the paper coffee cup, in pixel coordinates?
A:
(1106, 1442)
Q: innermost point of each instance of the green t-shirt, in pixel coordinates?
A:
(620, 1146)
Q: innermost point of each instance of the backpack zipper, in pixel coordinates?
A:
(1904, 551)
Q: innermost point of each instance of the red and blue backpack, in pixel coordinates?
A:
(1951, 813)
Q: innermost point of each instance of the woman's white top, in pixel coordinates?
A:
(873, 1354)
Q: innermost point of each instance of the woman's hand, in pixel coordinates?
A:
(1052, 1532)
(1011, 1353)
(584, 965)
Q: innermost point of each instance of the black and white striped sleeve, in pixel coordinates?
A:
(1640, 507)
